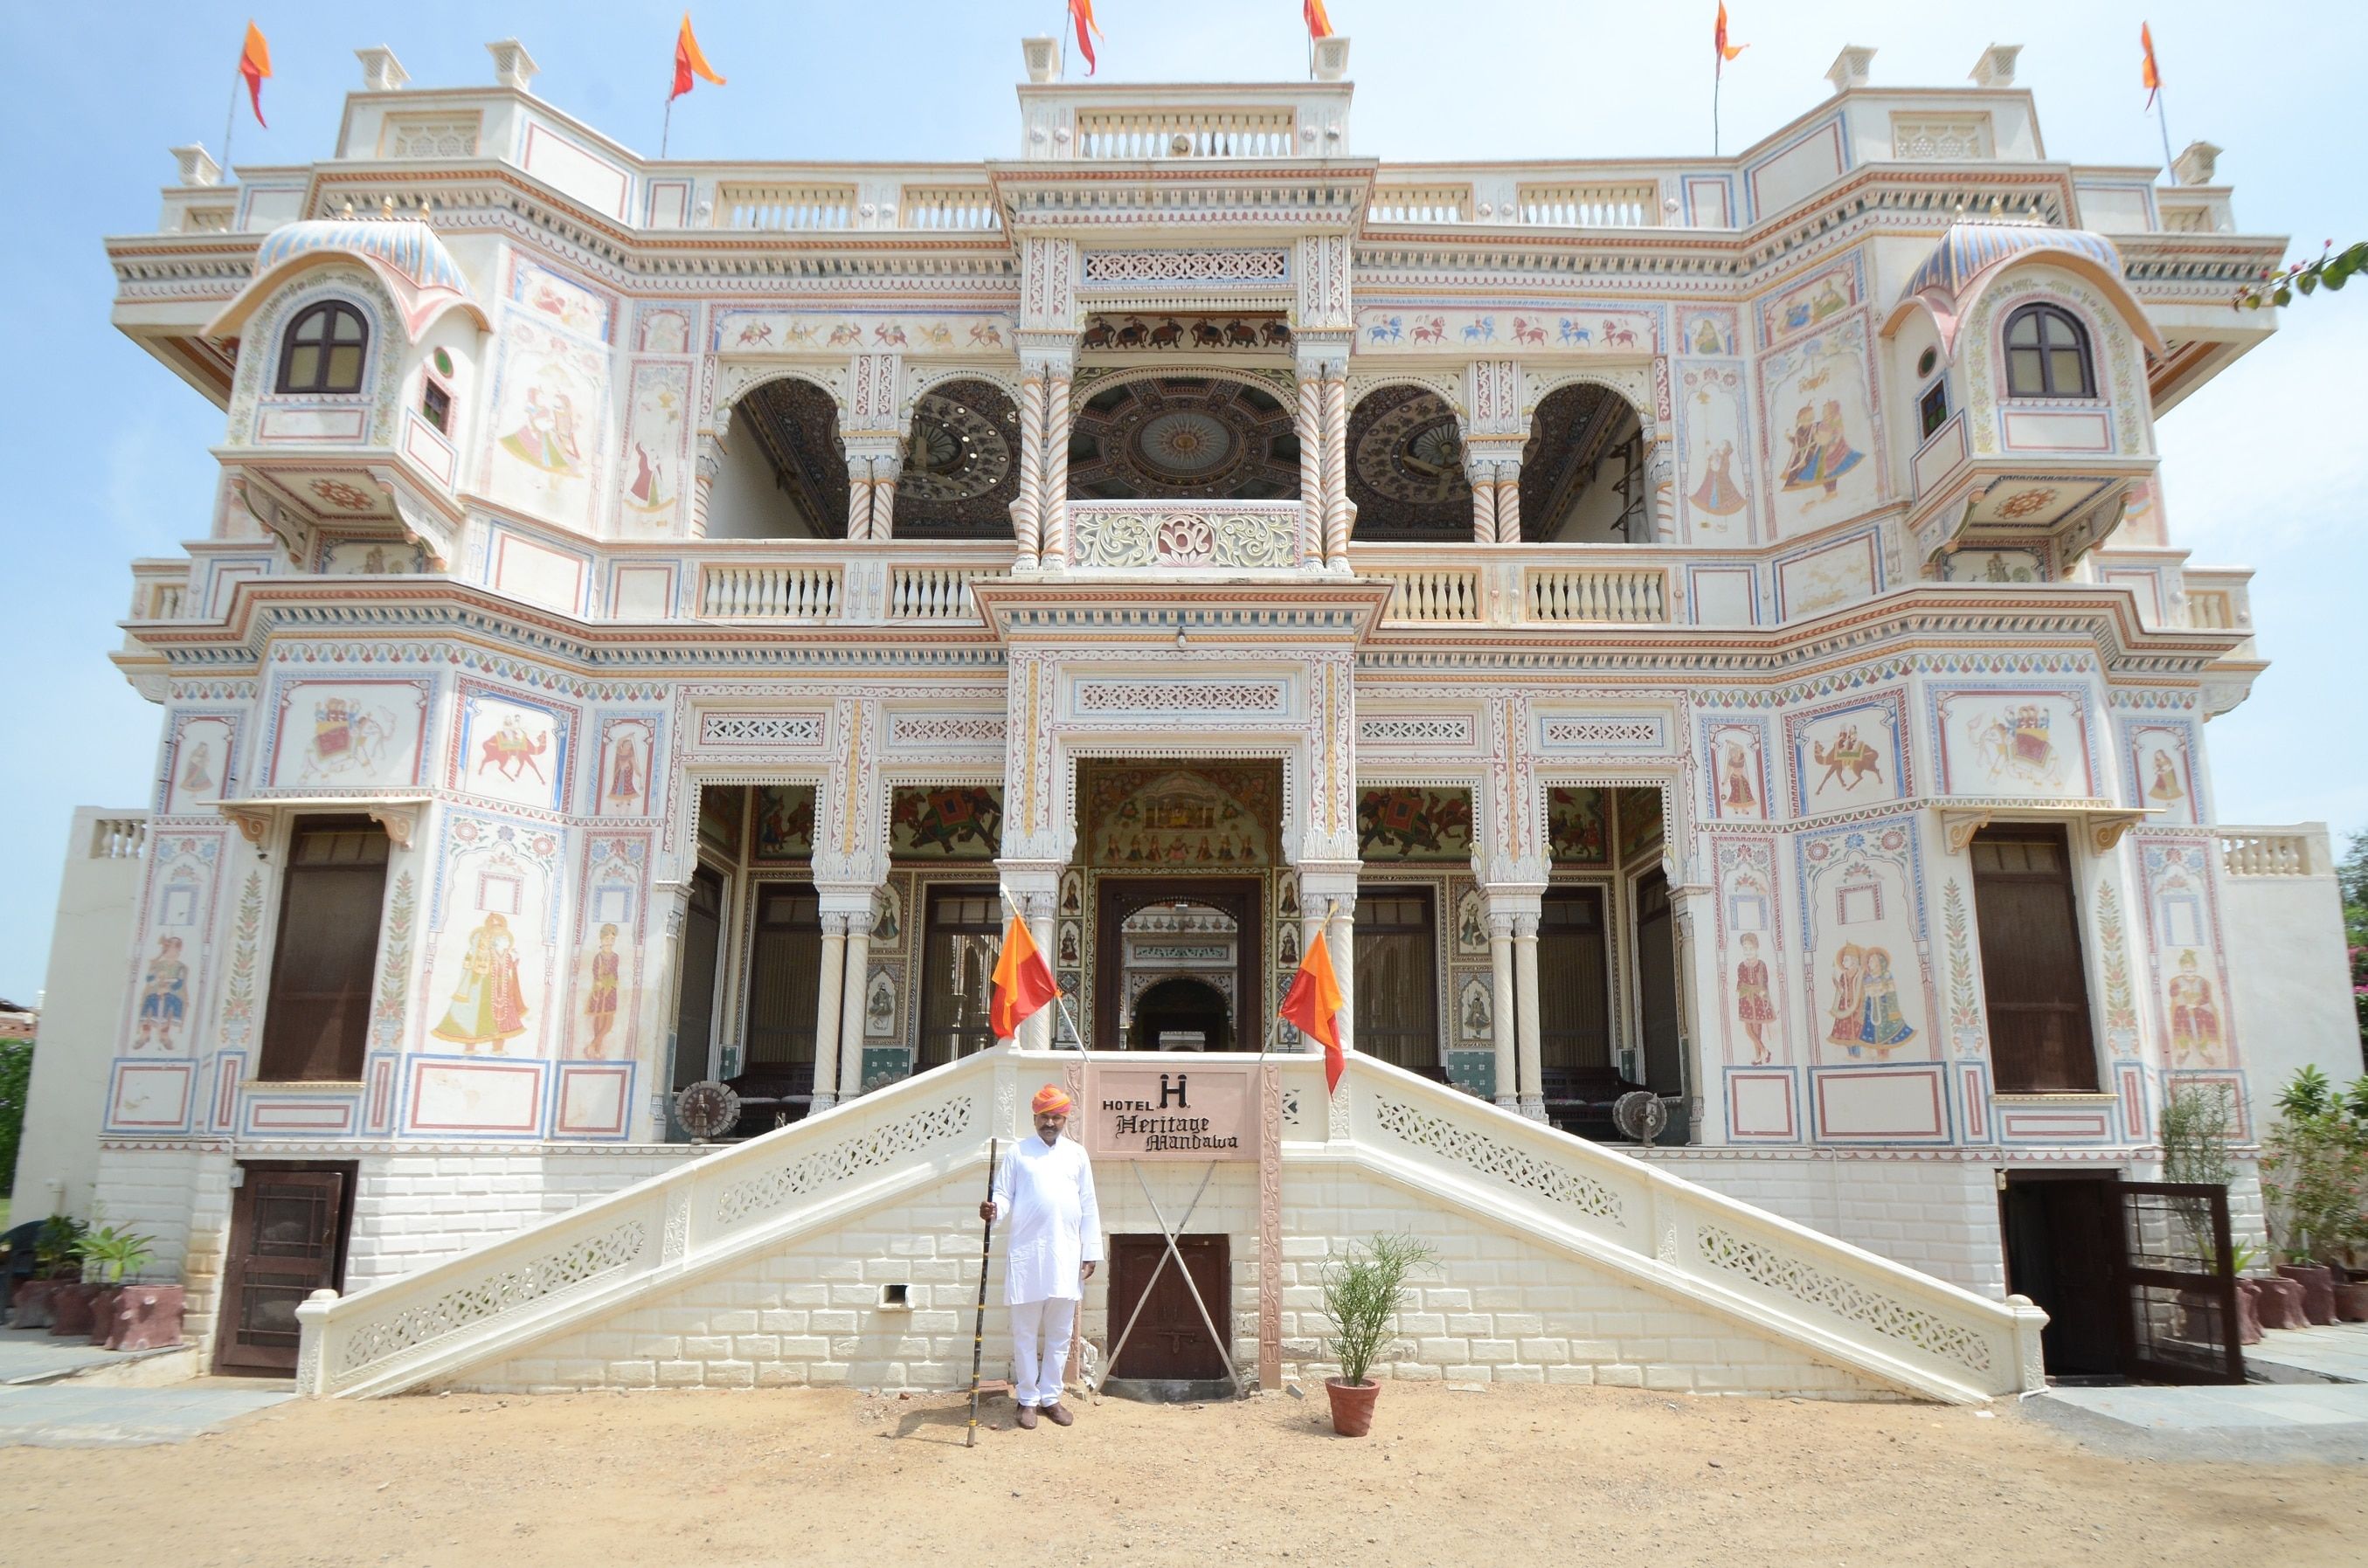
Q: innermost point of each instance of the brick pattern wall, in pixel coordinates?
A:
(412, 1210)
(1497, 1306)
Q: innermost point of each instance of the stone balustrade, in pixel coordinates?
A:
(2297, 851)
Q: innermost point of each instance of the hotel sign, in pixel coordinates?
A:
(1192, 1111)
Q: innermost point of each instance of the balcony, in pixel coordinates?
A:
(1528, 586)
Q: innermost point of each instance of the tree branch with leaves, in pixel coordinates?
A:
(2331, 269)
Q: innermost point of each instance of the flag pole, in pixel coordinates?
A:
(978, 1323)
(230, 120)
(1717, 79)
(2162, 122)
(665, 130)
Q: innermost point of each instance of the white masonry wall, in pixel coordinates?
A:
(411, 1210)
(1497, 1306)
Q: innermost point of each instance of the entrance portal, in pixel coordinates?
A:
(1182, 1014)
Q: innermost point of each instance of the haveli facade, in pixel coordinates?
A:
(1704, 625)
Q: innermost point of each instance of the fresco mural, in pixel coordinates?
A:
(510, 749)
(963, 822)
(1211, 814)
(550, 397)
(2013, 741)
(1414, 825)
(2184, 928)
(1736, 755)
(492, 947)
(1848, 754)
(1566, 328)
(760, 331)
(782, 821)
(720, 809)
(197, 771)
(657, 446)
(1714, 446)
(1639, 818)
(1575, 825)
(609, 936)
(2161, 772)
(1821, 441)
(1862, 906)
(628, 749)
(350, 734)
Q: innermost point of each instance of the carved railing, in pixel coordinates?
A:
(769, 592)
(966, 206)
(1420, 204)
(1619, 594)
(121, 837)
(1186, 133)
(1623, 205)
(1685, 1240)
(737, 1202)
(1433, 594)
(2299, 851)
(1230, 535)
(792, 206)
(931, 593)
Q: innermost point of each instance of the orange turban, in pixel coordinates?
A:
(1051, 1100)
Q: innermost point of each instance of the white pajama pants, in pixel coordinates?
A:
(1039, 1348)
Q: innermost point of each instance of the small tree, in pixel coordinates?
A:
(2195, 1122)
(1363, 1296)
(2314, 1168)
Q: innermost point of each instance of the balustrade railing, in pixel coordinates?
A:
(2274, 851)
(784, 206)
(937, 207)
(771, 592)
(931, 593)
(1420, 204)
(1624, 595)
(1186, 133)
(119, 837)
(1433, 594)
(1624, 205)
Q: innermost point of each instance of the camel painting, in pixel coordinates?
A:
(510, 751)
(1848, 761)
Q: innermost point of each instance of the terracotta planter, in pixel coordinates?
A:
(2351, 1302)
(146, 1317)
(70, 1308)
(102, 1313)
(2280, 1303)
(2249, 1311)
(2317, 1283)
(33, 1307)
(1352, 1406)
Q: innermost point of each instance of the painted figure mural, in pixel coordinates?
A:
(1821, 452)
(544, 436)
(489, 1007)
(1718, 493)
(2166, 788)
(1755, 1006)
(2194, 1014)
(1735, 793)
(164, 997)
(1847, 761)
(600, 1006)
(1865, 1009)
(198, 773)
(625, 771)
(1848, 965)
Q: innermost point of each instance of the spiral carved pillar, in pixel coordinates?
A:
(1028, 509)
(1056, 472)
(858, 498)
(1310, 429)
(1483, 476)
(1509, 504)
(1338, 516)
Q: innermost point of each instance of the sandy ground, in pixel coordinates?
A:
(1498, 1477)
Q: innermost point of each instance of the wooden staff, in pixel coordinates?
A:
(978, 1324)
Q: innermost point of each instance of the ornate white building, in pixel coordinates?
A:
(1705, 625)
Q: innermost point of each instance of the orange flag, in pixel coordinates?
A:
(688, 61)
(2149, 74)
(1318, 24)
(1082, 13)
(254, 64)
(1022, 983)
(1314, 1004)
(1726, 51)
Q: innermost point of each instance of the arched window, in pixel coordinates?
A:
(324, 350)
(2047, 355)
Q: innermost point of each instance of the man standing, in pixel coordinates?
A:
(1046, 1189)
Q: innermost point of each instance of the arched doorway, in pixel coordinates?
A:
(1182, 1014)
(1406, 468)
(1582, 476)
(784, 469)
(961, 464)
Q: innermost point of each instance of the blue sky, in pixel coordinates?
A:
(107, 449)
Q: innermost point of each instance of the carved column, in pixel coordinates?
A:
(1525, 983)
(852, 999)
(1311, 486)
(1509, 503)
(1056, 470)
(1028, 509)
(1500, 974)
(833, 975)
(859, 497)
(1661, 488)
(1046, 1026)
(883, 497)
(1483, 476)
(708, 468)
(1342, 940)
(1339, 519)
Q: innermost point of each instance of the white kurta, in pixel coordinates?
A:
(1045, 1195)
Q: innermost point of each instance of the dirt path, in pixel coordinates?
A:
(1496, 1477)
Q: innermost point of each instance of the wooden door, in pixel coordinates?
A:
(1169, 1342)
(2063, 1248)
(1396, 1013)
(963, 936)
(2033, 980)
(1657, 988)
(1574, 995)
(776, 1065)
(316, 1014)
(288, 1230)
(2177, 1282)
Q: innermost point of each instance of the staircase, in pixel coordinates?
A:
(762, 1262)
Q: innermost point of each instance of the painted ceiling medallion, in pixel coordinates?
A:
(1406, 466)
(1184, 439)
(956, 452)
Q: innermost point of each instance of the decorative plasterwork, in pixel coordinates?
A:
(399, 816)
(2102, 826)
(1165, 268)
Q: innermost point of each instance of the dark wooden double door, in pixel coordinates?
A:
(1170, 1342)
(2134, 1277)
(288, 1225)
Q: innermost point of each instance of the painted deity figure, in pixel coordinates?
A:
(625, 774)
(1718, 493)
(545, 437)
(197, 774)
(1821, 452)
(1755, 1007)
(489, 1005)
(1735, 793)
(1849, 963)
(1880, 1023)
(601, 1007)
(164, 997)
(2165, 787)
(2194, 1014)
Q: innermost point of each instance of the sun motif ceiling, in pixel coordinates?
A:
(1405, 467)
(1184, 439)
(960, 475)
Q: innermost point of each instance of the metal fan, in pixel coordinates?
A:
(707, 1109)
(1639, 1114)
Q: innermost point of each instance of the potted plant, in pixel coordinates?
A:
(57, 1265)
(111, 1253)
(1361, 1295)
(2314, 1168)
(2195, 1124)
